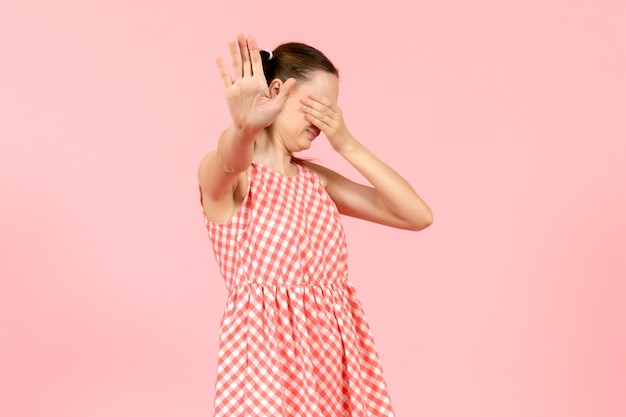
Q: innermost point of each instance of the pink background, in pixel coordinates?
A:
(508, 117)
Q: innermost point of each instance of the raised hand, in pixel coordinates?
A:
(249, 101)
(327, 117)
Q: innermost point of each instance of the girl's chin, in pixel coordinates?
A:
(305, 144)
(301, 144)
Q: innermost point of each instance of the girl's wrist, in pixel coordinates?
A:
(347, 145)
(245, 132)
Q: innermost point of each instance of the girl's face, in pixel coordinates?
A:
(291, 126)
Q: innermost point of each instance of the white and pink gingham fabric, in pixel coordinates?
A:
(294, 339)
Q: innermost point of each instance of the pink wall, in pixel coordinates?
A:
(508, 119)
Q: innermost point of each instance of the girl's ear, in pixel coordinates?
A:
(275, 87)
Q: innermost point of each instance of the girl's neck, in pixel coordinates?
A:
(272, 153)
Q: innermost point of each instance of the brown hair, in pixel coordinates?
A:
(295, 60)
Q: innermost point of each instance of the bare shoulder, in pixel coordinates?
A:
(204, 163)
(204, 170)
(327, 175)
(220, 201)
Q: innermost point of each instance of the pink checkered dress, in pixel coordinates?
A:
(294, 339)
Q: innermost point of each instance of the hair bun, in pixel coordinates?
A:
(266, 55)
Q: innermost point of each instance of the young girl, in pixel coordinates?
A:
(294, 339)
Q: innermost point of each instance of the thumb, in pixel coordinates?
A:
(285, 90)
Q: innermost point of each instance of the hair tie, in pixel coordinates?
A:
(271, 54)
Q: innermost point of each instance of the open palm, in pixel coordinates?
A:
(249, 101)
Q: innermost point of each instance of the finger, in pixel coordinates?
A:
(324, 101)
(245, 55)
(255, 56)
(286, 88)
(235, 57)
(320, 124)
(317, 108)
(224, 72)
(318, 115)
(319, 118)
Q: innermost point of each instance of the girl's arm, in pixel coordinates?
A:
(390, 200)
(252, 109)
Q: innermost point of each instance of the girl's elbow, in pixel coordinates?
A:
(422, 221)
